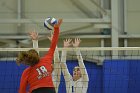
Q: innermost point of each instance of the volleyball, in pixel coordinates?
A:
(50, 22)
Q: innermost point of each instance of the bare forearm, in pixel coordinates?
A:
(64, 66)
(35, 44)
(82, 66)
(56, 56)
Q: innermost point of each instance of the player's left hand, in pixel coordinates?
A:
(67, 42)
(33, 35)
(76, 42)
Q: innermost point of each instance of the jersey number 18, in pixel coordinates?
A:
(42, 71)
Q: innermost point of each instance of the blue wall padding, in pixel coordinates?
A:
(134, 76)
(115, 76)
(121, 76)
(10, 75)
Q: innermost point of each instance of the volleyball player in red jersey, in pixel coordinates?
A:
(38, 76)
(56, 73)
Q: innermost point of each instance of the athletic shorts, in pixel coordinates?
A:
(44, 90)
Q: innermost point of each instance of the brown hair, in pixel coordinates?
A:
(30, 57)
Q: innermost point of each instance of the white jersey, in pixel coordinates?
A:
(80, 85)
(77, 86)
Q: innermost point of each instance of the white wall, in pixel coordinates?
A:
(40, 9)
(133, 16)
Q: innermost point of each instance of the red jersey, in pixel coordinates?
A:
(40, 75)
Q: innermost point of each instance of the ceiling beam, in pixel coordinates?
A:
(84, 20)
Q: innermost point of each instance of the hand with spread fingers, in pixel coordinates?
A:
(76, 42)
(33, 35)
(67, 42)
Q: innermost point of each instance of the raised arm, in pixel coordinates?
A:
(57, 70)
(65, 71)
(54, 38)
(80, 60)
(34, 37)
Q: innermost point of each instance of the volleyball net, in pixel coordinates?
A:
(110, 69)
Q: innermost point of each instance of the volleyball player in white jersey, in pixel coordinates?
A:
(56, 65)
(78, 83)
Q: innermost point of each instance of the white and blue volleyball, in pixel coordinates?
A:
(49, 23)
